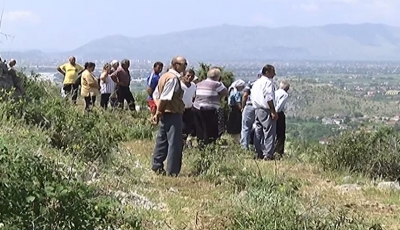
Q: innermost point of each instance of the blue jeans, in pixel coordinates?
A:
(248, 117)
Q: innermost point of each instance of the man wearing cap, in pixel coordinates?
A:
(152, 82)
(248, 115)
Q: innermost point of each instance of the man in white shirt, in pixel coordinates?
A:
(189, 92)
(281, 97)
(263, 100)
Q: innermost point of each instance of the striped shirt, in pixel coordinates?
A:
(108, 86)
(207, 94)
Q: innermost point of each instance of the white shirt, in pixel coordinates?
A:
(263, 90)
(170, 87)
(188, 94)
(281, 97)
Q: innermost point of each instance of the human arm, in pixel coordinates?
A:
(166, 94)
(114, 76)
(222, 90)
(17, 81)
(269, 95)
(61, 69)
(79, 68)
(281, 103)
(103, 76)
(151, 85)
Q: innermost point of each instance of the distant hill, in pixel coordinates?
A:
(227, 42)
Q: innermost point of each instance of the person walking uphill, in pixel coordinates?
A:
(123, 79)
(170, 108)
(263, 100)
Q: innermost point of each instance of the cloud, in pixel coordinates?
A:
(21, 16)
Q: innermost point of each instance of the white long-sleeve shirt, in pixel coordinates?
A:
(263, 90)
(281, 97)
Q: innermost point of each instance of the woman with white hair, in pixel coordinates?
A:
(234, 123)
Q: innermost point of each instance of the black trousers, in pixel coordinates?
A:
(89, 102)
(280, 133)
(206, 124)
(189, 127)
(124, 94)
(71, 89)
(104, 99)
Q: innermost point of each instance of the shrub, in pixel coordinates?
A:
(275, 205)
(35, 194)
(374, 154)
(90, 136)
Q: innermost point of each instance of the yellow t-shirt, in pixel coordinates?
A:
(89, 84)
(71, 72)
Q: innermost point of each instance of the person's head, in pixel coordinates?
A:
(284, 85)
(12, 63)
(268, 71)
(86, 65)
(179, 64)
(214, 74)
(158, 67)
(90, 66)
(107, 67)
(114, 64)
(125, 63)
(189, 75)
(72, 60)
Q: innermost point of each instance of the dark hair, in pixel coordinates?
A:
(89, 65)
(158, 64)
(191, 71)
(267, 68)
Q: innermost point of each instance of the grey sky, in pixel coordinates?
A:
(65, 25)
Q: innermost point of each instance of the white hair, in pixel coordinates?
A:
(214, 73)
(284, 85)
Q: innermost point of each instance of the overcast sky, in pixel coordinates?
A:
(65, 25)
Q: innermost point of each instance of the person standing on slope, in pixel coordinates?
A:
(70, 71)
(152, 82)
(170, 108)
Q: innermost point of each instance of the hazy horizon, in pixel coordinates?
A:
(50, 26)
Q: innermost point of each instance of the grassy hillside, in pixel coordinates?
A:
(64, 169)
(312, 100)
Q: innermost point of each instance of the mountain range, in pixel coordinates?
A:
(361, 42)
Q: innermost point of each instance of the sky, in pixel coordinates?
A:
(56, 25)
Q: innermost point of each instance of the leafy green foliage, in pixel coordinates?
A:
(35, 194)
(90, 136)
(374, 154)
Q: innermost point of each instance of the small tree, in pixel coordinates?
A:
(227, 77)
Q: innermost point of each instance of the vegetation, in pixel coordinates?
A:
(316, 100)
(63, 168)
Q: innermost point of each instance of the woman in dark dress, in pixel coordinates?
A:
(234, 123)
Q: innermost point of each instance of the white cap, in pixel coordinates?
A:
(113, 62)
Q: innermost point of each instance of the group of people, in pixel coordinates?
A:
(184, 107)
(112, 84)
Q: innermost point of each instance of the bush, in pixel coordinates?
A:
(275, 205)
(90, 136)
(374, 154)
(35, 194)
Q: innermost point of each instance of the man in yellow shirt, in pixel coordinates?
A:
(70, 71)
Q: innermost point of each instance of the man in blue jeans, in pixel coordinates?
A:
(248, 115)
